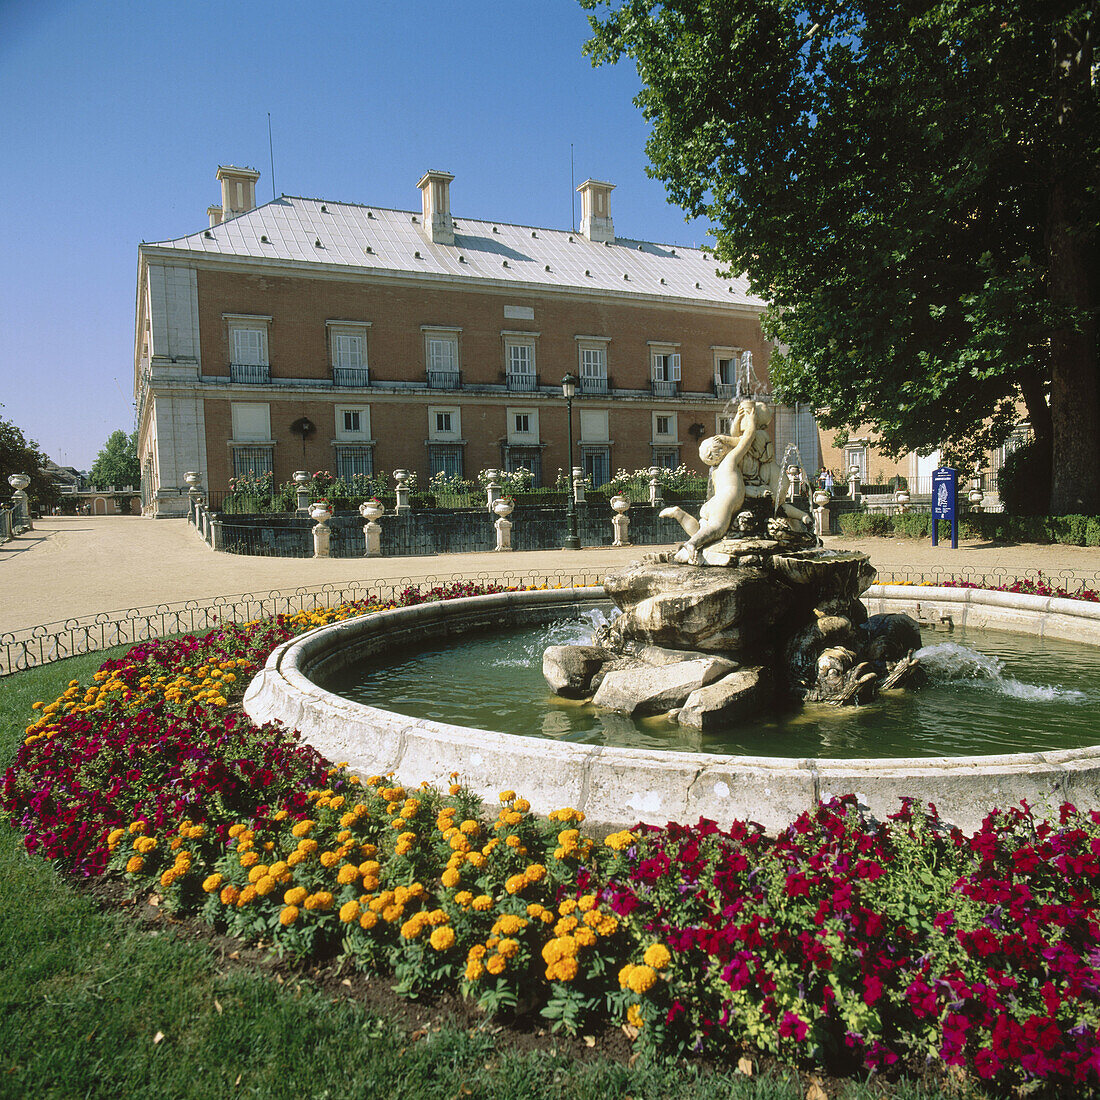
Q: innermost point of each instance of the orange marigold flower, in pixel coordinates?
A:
(265, 886)
(347, 874)
(442, 938)
(229, 894)
(642, 979)
(495, 964)
(508, 947)
(212, 882)
(349, 911)
(634, 1016)
(474, 968)
(288, 916)
(658, 956)
(134, 864)
(368, 920)
(295, 895)
(256, 873)
(247, 895)
(482, 902)
(248, 859)
(535, 872)
(515, 883)
(302, 828)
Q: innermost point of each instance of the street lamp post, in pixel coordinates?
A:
(568, 389)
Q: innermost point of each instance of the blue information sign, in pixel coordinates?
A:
(945, 493)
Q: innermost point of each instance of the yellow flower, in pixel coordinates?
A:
(515, 883)
(482, 902)
(257, 872)
(248, 859)
(658, 956)
(634, 1016)
(134, 864)
(620, 841)
(463, 898)
(288, 916)
(624, 976)
(442, 938)
(522, 805)
(495, 964)
(145, 844)
(295, 895)
(212, 882)
(322, 899)
(229, 895)
(265, 886)
(302, 828)
(368, 920)
(348, 874)
(474, 969)
(113, 837)
(507, 796)
(329, 859)
(642, 979)
(470, 827)
(509, 924)
(168, 877)
(349, 911)
(247, 896)
(584, 936)
(536, 872)
(507, 948)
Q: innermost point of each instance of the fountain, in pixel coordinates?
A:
(748, 610)
(733, 621)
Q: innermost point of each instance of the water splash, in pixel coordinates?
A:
(949, 662)
(577, 631)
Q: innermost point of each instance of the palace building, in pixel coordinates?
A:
(314, 334)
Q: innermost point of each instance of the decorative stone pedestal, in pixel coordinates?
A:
(302, 480)
(322, 513)
(371, 510)
(503, 508)
(619, 521)
(402, 479)
(22, 513)
(578, 485)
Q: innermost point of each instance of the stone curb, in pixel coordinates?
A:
(621, 786)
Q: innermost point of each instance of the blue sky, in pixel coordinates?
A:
(117, 114)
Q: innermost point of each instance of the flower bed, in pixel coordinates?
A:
(842, 941)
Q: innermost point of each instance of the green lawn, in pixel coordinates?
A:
(95, 1005)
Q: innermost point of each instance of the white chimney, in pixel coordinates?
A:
(435, 201)
(214, 213)
(596, 223)
(238, 190)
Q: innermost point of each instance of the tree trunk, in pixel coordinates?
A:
(1071, 236)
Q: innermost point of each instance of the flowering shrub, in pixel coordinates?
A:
(1029, 586)
(843, 941)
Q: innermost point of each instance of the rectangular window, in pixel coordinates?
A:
(856, 456)
(443, 423)
(593, 362)
(520, 359)
(666, 368)
(254, 461)
(445, 459)
(347, 351)
(352, 421)
(664, 425)
(524, 458)
(597, 465)
(442, 354)
(666, 457)
(594, 426)
(251, 421)
(523, 424)
(249, 347)
(354, 462)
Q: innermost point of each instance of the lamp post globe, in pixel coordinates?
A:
(569, 389)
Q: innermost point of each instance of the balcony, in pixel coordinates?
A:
(591, 384)
(664, 389)
(522, 383)
(357, 377)
(725, 389)
(250, 374)
(444, 379)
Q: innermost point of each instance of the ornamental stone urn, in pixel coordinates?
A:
(821, 510)
(321, 513)
(492, 488)
(578, 485)
(655, 497)
(371, 511)
(19, 483)
(619, 521)
(302, 480)
(902, 498)
(402, 479)
(503, 508)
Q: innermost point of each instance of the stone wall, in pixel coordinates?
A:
(439, 531)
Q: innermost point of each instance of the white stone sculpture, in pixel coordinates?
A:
(503, 508)
(743, 466)
(302, 480)
(619, 521)
(371, 511)
(402, 479)
(321, 513)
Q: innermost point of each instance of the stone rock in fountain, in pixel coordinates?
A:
(727, 611)
(569, 669)
(653, 690)
(733, 699)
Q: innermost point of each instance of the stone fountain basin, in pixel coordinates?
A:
(620, 786)
(828, 572)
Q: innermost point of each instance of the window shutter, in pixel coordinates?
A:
(675, 360)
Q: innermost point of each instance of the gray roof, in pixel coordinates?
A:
(393, 242)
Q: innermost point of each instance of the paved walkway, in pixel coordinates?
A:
(72, 566)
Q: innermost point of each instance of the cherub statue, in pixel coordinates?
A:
(743, 465)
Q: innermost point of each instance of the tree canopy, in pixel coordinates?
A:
(913, 187)
(19, 455)
(117, 464)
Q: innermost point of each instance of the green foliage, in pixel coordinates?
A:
(912, 188)
(991, 526)
(19, 455)
(117, 463)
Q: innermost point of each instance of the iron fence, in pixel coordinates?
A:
(41, 645)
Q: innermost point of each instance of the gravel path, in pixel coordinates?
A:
(72, 566)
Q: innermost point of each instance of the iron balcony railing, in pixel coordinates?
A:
(350, 376)
(254, 374)
(725, 389)
(444, 379)
(593, 385)
(664, 389)
(522, 383)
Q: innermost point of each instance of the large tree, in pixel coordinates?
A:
(117, 464)
(913, 187)
(20, 455)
